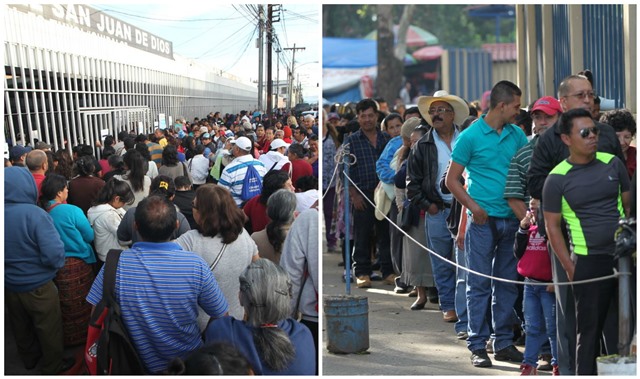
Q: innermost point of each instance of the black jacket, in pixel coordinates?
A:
(422, 173)
(550, 151)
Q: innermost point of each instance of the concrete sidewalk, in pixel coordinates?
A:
(402, 341)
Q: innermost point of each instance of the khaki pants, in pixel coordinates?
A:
(36, 320)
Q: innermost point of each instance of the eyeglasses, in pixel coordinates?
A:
(583, 95)
(584, 133)
(439, 110)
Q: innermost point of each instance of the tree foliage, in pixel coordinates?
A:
(449, 23)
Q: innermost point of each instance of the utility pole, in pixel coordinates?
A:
(260, 55)
(293, 64)
(270, 21)
(278, 77)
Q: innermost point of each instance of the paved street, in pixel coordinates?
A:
(402, 341)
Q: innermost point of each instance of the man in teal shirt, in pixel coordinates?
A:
(485, 150)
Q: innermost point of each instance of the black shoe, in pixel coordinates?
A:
(67, 364)
(480, 358)
(463, 335)
(521, 340)
(400, 287)
(510, 354)
(432, 295)
(375, 266)
(33, 363)
(340, 264)
(544, 362)
(417, 306)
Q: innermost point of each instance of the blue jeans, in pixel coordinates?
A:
(539, 308)
(442, 244)
(490, 252)
(461, 289)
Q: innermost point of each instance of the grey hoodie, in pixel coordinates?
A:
(105, 220)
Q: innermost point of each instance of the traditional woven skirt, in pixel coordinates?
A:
(74, 281)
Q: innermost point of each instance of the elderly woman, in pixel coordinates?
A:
(281, 208)
(274, 343)
(75, 278)
(221, 241)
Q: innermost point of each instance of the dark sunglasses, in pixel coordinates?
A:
(584, 133)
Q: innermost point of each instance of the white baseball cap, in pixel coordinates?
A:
(277, 143)
(243, 143)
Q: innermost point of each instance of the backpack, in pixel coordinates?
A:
(251, 184)
(109, 350)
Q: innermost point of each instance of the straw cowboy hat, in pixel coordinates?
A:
(460, 107)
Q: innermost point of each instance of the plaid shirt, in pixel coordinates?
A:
(363, 172)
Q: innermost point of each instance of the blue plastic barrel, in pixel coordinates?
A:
(346, 321)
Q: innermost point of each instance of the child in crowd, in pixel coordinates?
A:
(539, 301)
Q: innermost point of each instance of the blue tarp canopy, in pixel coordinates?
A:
(349, 53)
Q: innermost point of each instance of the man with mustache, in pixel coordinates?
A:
(485, 150)
(591, 214)
(426, 164)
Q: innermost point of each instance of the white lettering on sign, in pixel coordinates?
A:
(114, 27)
(72, 15)
(93, 21)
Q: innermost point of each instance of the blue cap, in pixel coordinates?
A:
(181, 134)
(18, 150)
(207, 152)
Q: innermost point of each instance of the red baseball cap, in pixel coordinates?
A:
(548, 104)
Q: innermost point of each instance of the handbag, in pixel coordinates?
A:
(215, 262)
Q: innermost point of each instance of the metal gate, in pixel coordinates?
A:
(100, 122)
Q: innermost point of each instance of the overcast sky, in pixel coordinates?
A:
(226, 35)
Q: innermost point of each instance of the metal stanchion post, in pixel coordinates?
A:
(624, 302)
(346, 317)
(347, 239)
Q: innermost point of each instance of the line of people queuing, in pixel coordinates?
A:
(476, 186)
(201, 266)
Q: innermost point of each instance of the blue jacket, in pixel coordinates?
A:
(240, 334)
(75, 231)
(33, 250)
(383, 166)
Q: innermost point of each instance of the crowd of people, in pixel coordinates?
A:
(216, 221)
(525, 197)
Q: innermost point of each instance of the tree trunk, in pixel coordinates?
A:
(390, 55)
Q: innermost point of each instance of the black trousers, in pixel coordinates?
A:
(592, 306)
(364, 224)
(565, 318)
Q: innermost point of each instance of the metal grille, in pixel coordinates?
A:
(604, 49)
(561, 44)
(67, 87)
(470, 73)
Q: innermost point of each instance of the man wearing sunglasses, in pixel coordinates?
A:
(591, 213)
(574, 92)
